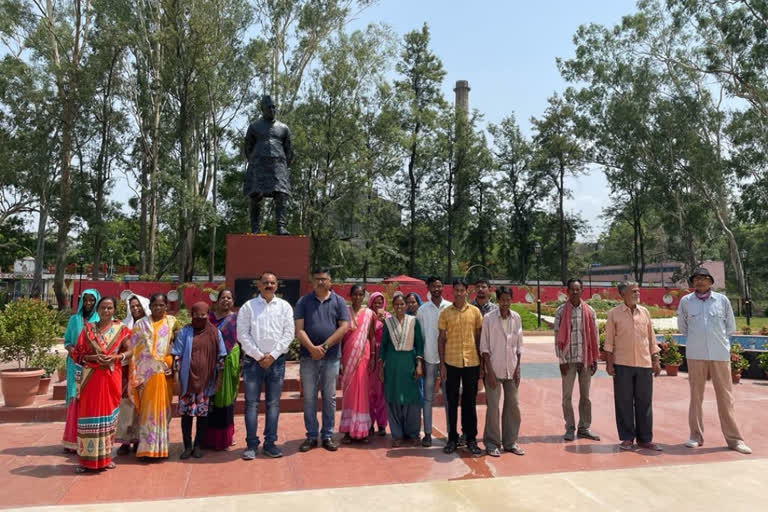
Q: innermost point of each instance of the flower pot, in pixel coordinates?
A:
(735, 377)
(42, 388)
(61, 374)
(20, 386)
(671, 369)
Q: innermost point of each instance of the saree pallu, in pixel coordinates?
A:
(355, 356)
(221, 417)
(128, 419)
(150, 390)
(98, 395)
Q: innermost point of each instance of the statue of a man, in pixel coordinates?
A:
(269, 153)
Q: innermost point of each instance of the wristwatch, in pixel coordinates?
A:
(325, 345)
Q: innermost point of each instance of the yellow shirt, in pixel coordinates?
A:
(460, 326)
(629, 335)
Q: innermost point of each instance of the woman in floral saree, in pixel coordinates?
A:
(357, 363)
(378, 403)
(151, 382)
(100, 352)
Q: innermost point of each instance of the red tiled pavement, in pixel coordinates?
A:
(34, 471)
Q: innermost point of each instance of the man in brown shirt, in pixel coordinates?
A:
(633, 361)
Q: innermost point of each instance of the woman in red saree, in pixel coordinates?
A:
(378, 403)
(357, 362)
(100, 352)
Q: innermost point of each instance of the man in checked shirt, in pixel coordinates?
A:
(572, 355)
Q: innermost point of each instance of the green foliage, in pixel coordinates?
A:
(670, 352)
(530, 320)
(739, 363)
(48, 361)
(183, 318)
(27, 328)
(762, 361)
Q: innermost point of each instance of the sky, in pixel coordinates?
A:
(506, 49)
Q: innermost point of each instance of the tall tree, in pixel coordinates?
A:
(418, 88)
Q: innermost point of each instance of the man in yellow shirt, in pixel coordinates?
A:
(458, 343)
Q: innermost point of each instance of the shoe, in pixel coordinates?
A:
(650, 446)
(462, 441)
(416, 442)
(330, 445)
(382, 431)
(124, 449)
(587, 434)
(474, 449)
(270, 450)
(515, 448)
(493, 452)
(742, 448)
(427, 441)
(308, 444)
(692, 443)
(396, 443)
(186, 453)
(450, 447)
(197, 453)
(627, 446)
(249, 454)
(569, 435)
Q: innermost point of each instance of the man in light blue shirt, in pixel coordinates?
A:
(706, 319)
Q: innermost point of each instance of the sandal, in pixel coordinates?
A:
(396, 443)
(365, 440)
(80, 470)
(111, 465)
(346, 439)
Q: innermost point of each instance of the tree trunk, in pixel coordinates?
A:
(412, 209)
(561, 214)
(37, 280)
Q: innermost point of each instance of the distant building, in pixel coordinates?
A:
(668, 273)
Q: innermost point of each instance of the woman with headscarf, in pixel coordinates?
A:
(376, 400)
(86, 312)
(400, 368)
(357, 363)
(137, 307)
(221, 417)
(412, 303)
(100, 351)
(151, 377)
(199, 356)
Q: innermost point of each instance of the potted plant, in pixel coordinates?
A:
(762, 362)
(746, 330)
(739, 363)
(670, 356)
(764, 330)
(61, 369)
(27, 328)
(49, 362)
(601, 340)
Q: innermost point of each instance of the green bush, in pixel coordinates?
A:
(47, 361)
(762, 361)
(530, 320)
(183, 317)
(293, 350)
(739, 363)
(27, 328)
(670, 352)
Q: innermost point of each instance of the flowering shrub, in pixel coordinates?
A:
(670, 352)
(739, 363)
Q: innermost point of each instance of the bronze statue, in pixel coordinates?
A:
(269, 153)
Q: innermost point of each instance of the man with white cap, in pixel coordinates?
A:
(706, 319)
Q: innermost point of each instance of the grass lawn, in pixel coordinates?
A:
(756, 323)
(530, 320)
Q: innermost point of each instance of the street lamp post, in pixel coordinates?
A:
(747, 300)
(537, 249)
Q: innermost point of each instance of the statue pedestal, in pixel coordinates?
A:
(250, 255)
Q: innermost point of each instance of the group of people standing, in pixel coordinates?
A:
(121, 376)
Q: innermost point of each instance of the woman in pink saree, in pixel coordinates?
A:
(358, 363)
(377, 402)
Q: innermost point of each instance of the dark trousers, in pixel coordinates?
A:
(632, 397)
(466, 380)
(186, 430)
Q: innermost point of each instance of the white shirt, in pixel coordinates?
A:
(265, 327)
(707, 326)
(427, 317)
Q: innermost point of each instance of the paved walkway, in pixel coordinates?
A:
(553, 475)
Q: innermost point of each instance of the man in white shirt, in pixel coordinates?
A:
(427, 316)
(705, 317)
(265, 329)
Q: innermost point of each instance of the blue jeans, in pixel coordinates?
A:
(431, 372)
(322, 374)
(272, 378)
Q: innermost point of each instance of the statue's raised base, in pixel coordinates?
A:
(250, 255)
